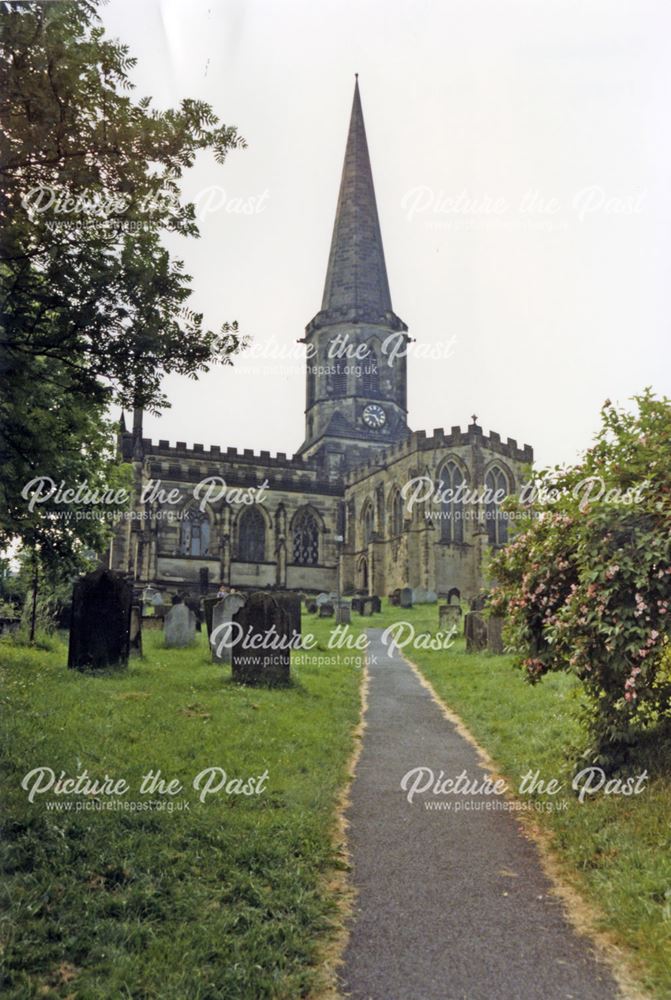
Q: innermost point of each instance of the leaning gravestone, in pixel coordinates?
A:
(221, 637)
(475, 627)
(262, 617)
(135, 636)
(179, 627)
(406, 597)
(100, 624)
(495, 635)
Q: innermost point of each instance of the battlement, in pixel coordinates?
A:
(163, 448)
(439, 439)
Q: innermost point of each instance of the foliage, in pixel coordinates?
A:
(586, 582)
(94, 309)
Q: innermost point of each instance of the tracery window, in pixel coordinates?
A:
(305, 538)
(194, 538)
(251, 536)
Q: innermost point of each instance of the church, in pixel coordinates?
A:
(366, 504)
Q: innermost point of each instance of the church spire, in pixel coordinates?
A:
(356, 280)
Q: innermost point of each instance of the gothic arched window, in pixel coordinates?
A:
(496, 482)
(305, 538)
(452, 509)
(397, 513)
(368, 523)
(370, 375)
(251, 536)
(194, 536)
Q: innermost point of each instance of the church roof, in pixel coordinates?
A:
(356, 279)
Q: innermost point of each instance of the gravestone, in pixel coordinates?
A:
(326, 609)
(406, 597)
(449, 616)
(221, 638)
(100, 624)
(475, 628)
(262, 615)
(292, 604)
(322, 599)
(343, 613)
(204, 579)
(179, 627)
(208, 604)
(453, 592)
(431, 597)
(375, 604)
(311, 607)
(357, 605)
(495, 635)
(419, 595)
(395, 597)
(135, 637)
(193, 604)
(366, 607)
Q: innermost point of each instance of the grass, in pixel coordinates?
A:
(615, 850)
(227, 899)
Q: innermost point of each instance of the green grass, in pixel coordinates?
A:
(229, 899)
(225, 900)
(616, 850)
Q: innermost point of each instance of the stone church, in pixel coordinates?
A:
(357, 499)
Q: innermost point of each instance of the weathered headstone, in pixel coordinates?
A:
(311, 607)
(179, 627)
(357, 604)
(395, 597)
(374, 604)
(449, 616)
(406, 597)
(431, 597)
(495, 635)
(292, 604)
(326, 609)
(100, 625)
(221, 637)
(366, 607)
(135, 637)
(322, 599)
(419, 595)
(476, 632)
(269, 661)
(343, 613)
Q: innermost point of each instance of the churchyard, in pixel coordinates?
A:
(200, 883)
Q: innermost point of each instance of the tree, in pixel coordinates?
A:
(586, 582)
(94, 309)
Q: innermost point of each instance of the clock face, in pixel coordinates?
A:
(374, 416)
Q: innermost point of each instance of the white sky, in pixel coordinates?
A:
(548, 312)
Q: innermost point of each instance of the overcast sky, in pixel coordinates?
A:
(521, 154)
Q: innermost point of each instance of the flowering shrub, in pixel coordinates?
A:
(586, 582)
